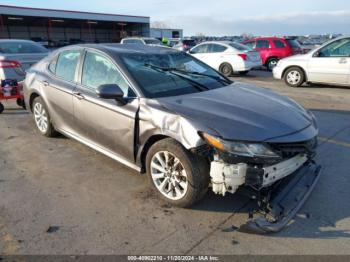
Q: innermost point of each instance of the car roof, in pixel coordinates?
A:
(16, 41)
(118, 49)
(265, 38)
(136, 37)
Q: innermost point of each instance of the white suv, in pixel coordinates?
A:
(328, 64)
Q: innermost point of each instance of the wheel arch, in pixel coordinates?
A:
(147, 145)
(32, 96)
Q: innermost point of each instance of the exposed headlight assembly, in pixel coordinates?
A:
(240, 148)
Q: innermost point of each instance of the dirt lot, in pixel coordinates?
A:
(59, 197)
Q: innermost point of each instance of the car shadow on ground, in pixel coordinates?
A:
(14, 111)
(316, 85)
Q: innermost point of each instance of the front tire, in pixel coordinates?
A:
(2, 108)
(180, 177)
(42, 118)
(294, 77)
(226, 69)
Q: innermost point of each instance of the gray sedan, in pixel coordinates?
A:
(165, 113)
(16, 56)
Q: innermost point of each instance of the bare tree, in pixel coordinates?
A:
(159, 24)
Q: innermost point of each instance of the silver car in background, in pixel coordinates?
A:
(16, 56)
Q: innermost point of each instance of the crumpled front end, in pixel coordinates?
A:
(279, 187)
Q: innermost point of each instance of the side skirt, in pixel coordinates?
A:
(102, 150)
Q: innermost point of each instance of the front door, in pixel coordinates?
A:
(104, 122)
(331, 64)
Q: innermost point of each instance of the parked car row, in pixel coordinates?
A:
(328, 64)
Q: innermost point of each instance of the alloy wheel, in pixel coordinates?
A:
(40, 117)
(293, 77)
(169, 175)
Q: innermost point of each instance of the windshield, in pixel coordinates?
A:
(149, 71)
(293, 43)
(153, 42)
(21, 48)
(240, 47)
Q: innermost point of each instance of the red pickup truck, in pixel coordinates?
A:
(272, 49)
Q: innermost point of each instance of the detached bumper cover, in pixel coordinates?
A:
(287, 202)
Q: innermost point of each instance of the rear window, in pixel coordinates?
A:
(21, 48)
(279, 44)
(240, 47)
(293, 43)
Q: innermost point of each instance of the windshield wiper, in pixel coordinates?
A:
(174, 69)
(194, 83)
(221, 80)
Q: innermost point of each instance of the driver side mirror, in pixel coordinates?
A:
(111, 91)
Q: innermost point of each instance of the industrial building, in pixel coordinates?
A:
(69, 26)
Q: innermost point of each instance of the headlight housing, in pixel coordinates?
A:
(257, 150)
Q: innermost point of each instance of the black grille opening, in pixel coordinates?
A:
(288, 150)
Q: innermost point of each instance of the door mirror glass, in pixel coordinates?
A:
(110, 91)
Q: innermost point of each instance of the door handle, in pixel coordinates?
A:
(78, 95)
(45, 83)
(343, 61)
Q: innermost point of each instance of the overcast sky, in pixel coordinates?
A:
(222, 17)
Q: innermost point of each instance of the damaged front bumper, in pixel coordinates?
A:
(285, 202)
(279, 190)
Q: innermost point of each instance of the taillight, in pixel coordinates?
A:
(9, 64)
(244, 56)
(185, 46)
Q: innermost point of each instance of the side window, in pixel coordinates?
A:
(52, 65)
(340, 48)
(279, 44)
(98, 70)
(200, 49)
(251, 44)
(66, 64)
(213, 48)
(262, 44)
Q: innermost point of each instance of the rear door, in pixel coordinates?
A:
(216, 55)
(58, 88)
(103, 122)
(264, 48)
(331, 64)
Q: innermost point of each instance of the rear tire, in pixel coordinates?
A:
(294, 77)
(2, 108)
(20, 102)
(42, 118)
(271, 63)
(226, 69)
(180, 177)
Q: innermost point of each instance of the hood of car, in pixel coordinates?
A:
(241, 112)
